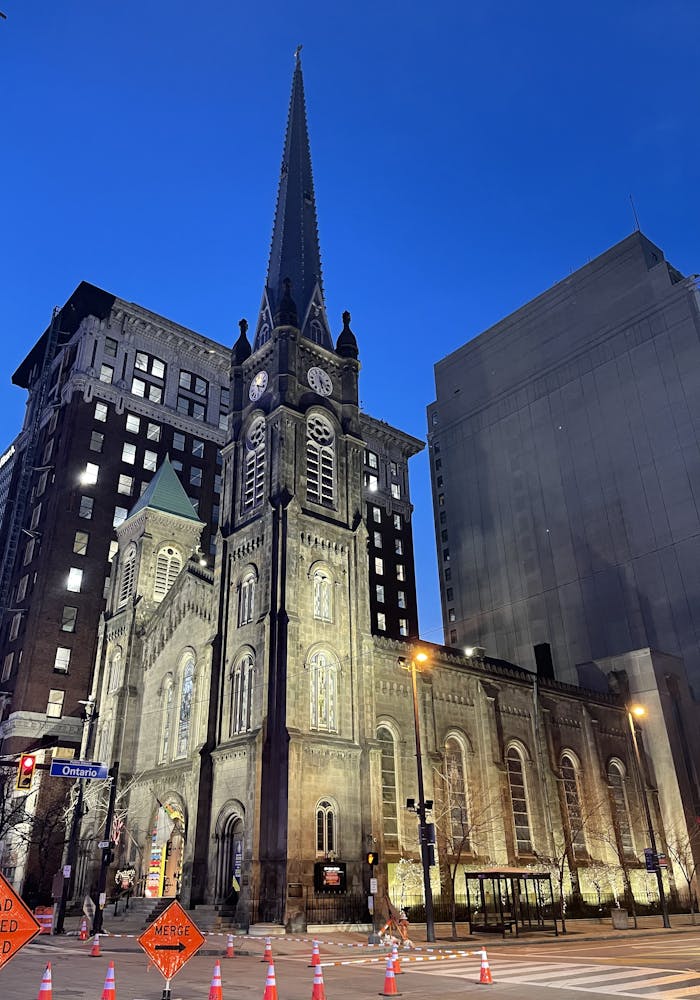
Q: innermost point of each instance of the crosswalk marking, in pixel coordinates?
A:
(615, 980)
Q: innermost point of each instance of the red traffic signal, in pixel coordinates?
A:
(25, 772)
(372, 858)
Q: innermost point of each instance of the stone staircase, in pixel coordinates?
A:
(142, 912)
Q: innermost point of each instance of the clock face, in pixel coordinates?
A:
(320, 381)
(258, 385)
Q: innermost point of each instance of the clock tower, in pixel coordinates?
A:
(295, 709)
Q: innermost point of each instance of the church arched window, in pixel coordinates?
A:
(168, 565)
(390, 816)
(572, 802)
(456, 792)
(186, 706)
(246, 598)
(618, 794)
(167, 693)
(114, 674)
(254, 465)
(263, 334)
(240, 709)
(127, 573)
(518, 800)
(326, 828)
(324, 691)
(316, 331)
(323, 595)
(320, 460)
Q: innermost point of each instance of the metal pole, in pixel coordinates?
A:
(422, 826)
(106, 851)
(70, 858)
(650, 826)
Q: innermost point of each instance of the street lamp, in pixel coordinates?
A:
(638, 712)
(414, 665)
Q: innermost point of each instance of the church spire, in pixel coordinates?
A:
(294, 289)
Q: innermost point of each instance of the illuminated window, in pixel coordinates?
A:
(320, 460)
(133, 423)
(90, 474)
(75, 580)
(68, 619)
(378, 565)
(246, 599)
(106, 375)
(120, 515)
(456, 794)
(381, 621)
(54, 707)
(254, 475)
(86, 506)
(125, 485)
(323, 596)
(101, 411)
(403, 626)
(400, 572)
(380, 593)
(167, 695)
(325, 828)
(129, 453)
(186, 706)
(401, 598)
(168, 565)
(127, 575)
(114, 675)
(377, 539)
(377, 515)
(97, 441)
(518, 801)
(371, 459)
(150, 461)
(398, 524)
(618, 794)
(324, 681)
(396, 491)
(572, 801)
(62, 660)
(80, 543)
(371, 482)
(241, 694)
(390, 819)
(153, 432)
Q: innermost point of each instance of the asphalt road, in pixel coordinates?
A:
(657, 967)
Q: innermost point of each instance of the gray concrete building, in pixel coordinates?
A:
(565, 464)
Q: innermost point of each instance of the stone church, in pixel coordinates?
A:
(264, 731)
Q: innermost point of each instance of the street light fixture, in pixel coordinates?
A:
(418, 659)
(638, 712)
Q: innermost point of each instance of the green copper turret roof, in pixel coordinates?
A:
(165, 493)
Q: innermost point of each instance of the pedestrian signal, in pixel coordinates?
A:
(25, 772)
(372, 858)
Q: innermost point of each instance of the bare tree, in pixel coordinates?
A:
(610, 837)
(683, 849)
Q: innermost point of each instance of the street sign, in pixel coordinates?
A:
(17, 924)
(649, 859)
(78, 769)
(373, 886)
(171, 940)
(103, 844)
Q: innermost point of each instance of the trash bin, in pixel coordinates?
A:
(619, 919)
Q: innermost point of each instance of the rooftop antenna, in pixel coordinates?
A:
(634, 213)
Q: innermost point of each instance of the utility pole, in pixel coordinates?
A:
(107, 855)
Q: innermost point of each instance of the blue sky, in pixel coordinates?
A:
(466, 157)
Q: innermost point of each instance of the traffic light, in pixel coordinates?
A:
(25, 772)
(372, 858)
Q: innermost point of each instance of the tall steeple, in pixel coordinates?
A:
(293, 294)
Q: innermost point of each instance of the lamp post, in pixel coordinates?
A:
(638, 711)
(414, 666)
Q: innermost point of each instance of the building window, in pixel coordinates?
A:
(110, 348)
(381, 621)
(197, 448)
(325, 829)
(167, 707)
(320, 460)
(377, 515)
(400, 572)
(113, 547)
(42, 483)
(47, 453)
(129, 454)
(398, 524)
(195, 476)
(448, 573)
(396, 491)
(572, 801)
(371, 482)
(390, 818)
(69, 618)
(97, 441)
(36, 514)
(380, 593)
(401, 598)
(186, 706)
(371, 459)
(75, 580)
(153, 432)
(22, 587)
(246, 599)
(456, 793)
(451, 616)
(398, 547)
(441, 500)
(86, 505)
(128, 572)
(120, 515)
(62, 660)
(403, 626)
(80, 543)
(193, 383)
(114, 675)
(445, 555)
(89, 475)
(15, 626)
(168, 566)
(150, 461)
(254, 484)
(444, 535)
(178, 441)
(443, 517)
(101, 411)
(241, 695)
(106, 375)
(133, 423)
(323, 596)
(126, 485)
(379, 565)
(518, 801)
(54, 706)
(377, 539)
(618, 794)
(29, 551)
(324, 681)
(7, 666)
(450, 593)
(453, 635)
(217, 484)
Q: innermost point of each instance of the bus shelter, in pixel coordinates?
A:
(510, 900)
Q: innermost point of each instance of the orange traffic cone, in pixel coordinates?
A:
(46, 988)
(95, 950)
(485, 977)
(229, 946)
(395, 961)
(109, 992)
(267, 957)
(215, 988)
(389, 980)
(315, 956)
(319, 990)
(83, 935)
(270, 984)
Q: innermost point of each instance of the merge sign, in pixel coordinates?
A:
(171, 940)
(17, 924)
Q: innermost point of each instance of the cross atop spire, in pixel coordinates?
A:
(293, 292)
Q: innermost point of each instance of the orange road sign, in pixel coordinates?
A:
(171, 940)
(17, 925)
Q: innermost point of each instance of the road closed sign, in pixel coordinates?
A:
(17, 925)
(171, 940)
